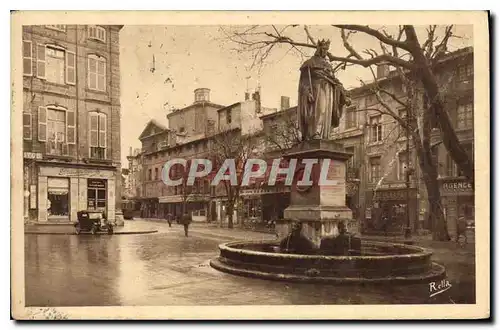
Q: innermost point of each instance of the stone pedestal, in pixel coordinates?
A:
(320, 205)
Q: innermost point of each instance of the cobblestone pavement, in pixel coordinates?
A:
(166, 268)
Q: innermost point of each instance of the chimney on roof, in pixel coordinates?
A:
(285, 102)
(256, 98)
(382, 70)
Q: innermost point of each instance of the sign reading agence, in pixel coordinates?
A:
(456, 186)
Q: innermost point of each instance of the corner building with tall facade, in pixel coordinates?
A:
(71, 121)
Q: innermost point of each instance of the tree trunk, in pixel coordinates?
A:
(450, 139)
(230, 211)
(430, 175)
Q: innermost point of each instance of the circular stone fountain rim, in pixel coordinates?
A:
(420, 251)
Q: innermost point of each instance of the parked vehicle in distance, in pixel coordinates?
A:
(93, 222)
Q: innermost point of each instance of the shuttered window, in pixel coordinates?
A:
(42, 124)
(98, 130)
(70, 68)
(70, 127)
(27, 125)
(40, 61)
(97, 73)
(27, 58)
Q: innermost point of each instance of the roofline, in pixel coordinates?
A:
(156, 123)
(273, 114)
(204, 103)
(229, 106)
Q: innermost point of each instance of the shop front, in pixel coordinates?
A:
(386, 211)
(63, 191)
(457, 195)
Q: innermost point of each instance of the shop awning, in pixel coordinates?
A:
(58, 191)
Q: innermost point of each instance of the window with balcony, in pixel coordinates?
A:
(97, 73)
(375, 129)
(96, 33)
(465, 116)
(350, 118)
(375, 170)
(150, 175)
(351, 161)
(98, 129)
(56, 131)
(56, 127)
(156, 173)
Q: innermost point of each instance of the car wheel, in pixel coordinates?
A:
(78, 230)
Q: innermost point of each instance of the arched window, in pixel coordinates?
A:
(97, 135)
(96, 73)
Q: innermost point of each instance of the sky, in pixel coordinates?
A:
(190, 57)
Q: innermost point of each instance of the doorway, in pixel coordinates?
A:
(96, 194)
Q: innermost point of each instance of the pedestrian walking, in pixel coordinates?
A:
(186, 220)
(169, 217)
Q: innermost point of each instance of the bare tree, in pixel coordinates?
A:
(231, 144)
(283, 133)
(407, 54)
(415, 107)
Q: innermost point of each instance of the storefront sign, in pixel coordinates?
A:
(261, 191)
(76, 172)
(96, 183)
(392, 186)
(33, 155)
(385, 195)
(456, 186)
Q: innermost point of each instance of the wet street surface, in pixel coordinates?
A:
(167, 268)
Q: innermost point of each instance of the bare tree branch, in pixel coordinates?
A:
(380, 36)
(311, 39)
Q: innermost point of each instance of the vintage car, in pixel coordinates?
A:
(93, 222)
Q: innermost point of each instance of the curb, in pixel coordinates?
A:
(89, 234)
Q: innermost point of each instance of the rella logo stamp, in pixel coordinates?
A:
(436, 288)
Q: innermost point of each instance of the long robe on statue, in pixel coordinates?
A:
(317, 115)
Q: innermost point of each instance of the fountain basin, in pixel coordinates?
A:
(377, 262)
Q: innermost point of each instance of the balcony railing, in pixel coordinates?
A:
(57, 148)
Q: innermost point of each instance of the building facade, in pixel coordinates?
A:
(381, 157)
(191, 133)
(135, 173)
(71, 121)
